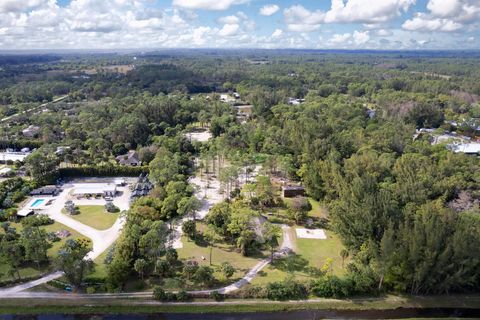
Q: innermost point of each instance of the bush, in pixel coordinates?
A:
(251, 292)
(217, 296)
(183, 295)
(332, 287)
(286, 290)
(159, 294)
(37, 221)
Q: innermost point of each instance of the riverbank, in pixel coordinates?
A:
(146, 306)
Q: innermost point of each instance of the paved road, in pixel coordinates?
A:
(33, 109)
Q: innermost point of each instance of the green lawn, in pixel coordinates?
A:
(220, 253)
(96, 217)
(310, 256)
(318, 210)
(100, 266)
(30, 271)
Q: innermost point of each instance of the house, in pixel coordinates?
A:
(31, 131)
(227, 98)
(293, 191)
(4, 172)
(45, 191)
(61, 150)
(130, 159)
(95, 189)
(295, 101)
(25, 213)
(467, 148)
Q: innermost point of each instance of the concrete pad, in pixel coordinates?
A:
(311, 234)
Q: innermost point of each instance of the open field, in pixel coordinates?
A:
(310, 256)
(96, 217)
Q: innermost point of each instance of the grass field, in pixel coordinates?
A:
(52, 252)
(310, 256)
(96, 217)
(220, 253)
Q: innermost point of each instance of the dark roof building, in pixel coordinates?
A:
(129, 159)
(293, 191)
(45, 191)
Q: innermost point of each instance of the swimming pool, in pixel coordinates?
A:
(37, 203)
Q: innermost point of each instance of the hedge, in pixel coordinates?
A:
(102, 171)
(20, 144)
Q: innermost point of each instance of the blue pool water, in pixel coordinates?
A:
(37, 202)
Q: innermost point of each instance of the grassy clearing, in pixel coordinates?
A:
(310, 256)
(31, 271)
(100, 266)
(318, 210)
(96, 217)
(221, 253)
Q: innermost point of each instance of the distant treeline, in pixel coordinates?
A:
(21, 59)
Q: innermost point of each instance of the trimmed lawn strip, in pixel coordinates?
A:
(137, 306)
(96, 217)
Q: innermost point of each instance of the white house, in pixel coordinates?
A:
(31, 131)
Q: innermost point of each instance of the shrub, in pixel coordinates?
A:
(286, 290)
(183, 295)
(251, 292)
(204, 274)
(332, 287)
(110, 207)
(159, 294)
(217, 296)
(37, 221)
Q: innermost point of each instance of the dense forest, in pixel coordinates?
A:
(406, 209)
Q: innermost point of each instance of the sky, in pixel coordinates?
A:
(314, 24)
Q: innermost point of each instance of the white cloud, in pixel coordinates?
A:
(359, 11)
(445, 16)
(340, 38)
(421, 22)
(360, 38)
(207, 4)
(269, 9)
(229, 30)
(300, 19)
(277, 33)
(229, 20)
(19, 5)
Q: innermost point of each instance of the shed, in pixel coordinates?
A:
(45, 191)
(293, 191)
(25, 212)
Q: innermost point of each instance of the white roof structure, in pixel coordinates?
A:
(24, 212)
(5, 170)
(470, 148)
(13, 156)
(119, 181)
(94, 188)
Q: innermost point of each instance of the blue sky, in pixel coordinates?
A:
(322, 24)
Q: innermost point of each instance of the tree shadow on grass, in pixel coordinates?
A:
(296, 263)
